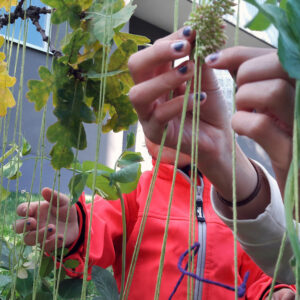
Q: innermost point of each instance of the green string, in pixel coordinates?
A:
(277, 265)
(105, 61)
(234, 199)
(158, 283)
(144, 218)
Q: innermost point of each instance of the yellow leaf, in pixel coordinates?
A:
(6, 80)
(2, 39)
(8, 4)
(85, 4)
(6, 100)
(2, 56)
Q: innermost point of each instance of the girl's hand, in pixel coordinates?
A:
(264, 100)
(40, 211)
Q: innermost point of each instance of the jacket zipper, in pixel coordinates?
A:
(202, 240)
(201, 237)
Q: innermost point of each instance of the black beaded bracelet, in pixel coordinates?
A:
(252, 195)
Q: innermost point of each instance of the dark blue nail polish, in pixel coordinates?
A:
(50, 229)
(202, 96)
(187, 31)
(178, 46)
(28, 223)
(212, 57)
(183, 69)
(60, 238)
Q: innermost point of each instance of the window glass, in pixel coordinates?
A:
(34, 38)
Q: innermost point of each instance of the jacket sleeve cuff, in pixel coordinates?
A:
(276, 288)
(271, 225)
(272, 219)
(81, 223)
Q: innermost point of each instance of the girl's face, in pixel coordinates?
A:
(168, 154)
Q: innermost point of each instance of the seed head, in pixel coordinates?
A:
(207, 20)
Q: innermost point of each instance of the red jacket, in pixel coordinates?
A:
(217, 239)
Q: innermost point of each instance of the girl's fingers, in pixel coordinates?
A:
(261, 68)
(25, 225)
(173, 108)
(231, 58)
(53, 242)
(164, 51)
(143, 95)
(30, 210)
(265, 131)
(48, 194)
(30, 237)
(277, 101)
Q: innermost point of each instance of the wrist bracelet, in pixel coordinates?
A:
(252, 195)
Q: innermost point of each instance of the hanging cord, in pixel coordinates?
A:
(234, 199)
(241, 290)
(105, 61)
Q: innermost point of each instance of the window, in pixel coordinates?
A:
(34, 39)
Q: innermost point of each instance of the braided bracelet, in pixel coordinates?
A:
(252, 195)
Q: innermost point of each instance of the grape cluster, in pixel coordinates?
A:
(207, 20)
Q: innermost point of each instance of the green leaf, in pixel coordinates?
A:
(102, 23)
(11, 169)
(283, 4)
(6, 257)
(71, 134)
(26, 147)
(122, 116)
(3, 193)
(126, 174)
(40, 295)
(62, 156)
(70, 288)
(288, 46)
(105, 284)
(103, 187)
(127, 158)
(119, 58)
(71, 263)
(121, 37)
(65, 10)
(77, 185)
(130, 140)
(72, 44)
(39, 91)
(5, 280)
(24, 286)
(47, 266)
(293, 14)
(260, 22)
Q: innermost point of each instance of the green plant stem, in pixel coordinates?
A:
(144, 218)
(8, 153)
(280, 254)
(123, 239)
(289, 194)
(162, 257)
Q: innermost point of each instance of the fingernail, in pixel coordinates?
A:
(212, 57)
(50, 229)
(178, 46)
(28, 223)
(183, 69)
(200, 96)
(60, 238)
(187, 31)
